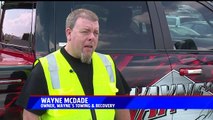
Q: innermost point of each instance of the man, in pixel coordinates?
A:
(76, 70)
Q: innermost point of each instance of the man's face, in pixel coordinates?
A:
(84, 39)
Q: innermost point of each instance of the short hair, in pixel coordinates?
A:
(80, 13)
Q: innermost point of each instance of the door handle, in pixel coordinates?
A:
(10, 81)
(190, 71)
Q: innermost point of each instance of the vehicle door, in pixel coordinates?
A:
(16, 55)
(190, 53)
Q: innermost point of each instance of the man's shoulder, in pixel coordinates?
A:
(102, 54)
(52, 54)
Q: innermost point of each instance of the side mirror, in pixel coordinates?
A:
(186, 44)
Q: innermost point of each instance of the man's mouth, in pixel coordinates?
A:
(88, 46)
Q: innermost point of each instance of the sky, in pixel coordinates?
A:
(18, 21)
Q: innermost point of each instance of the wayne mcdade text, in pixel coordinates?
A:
(70, 103)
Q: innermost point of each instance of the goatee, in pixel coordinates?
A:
(86, 58)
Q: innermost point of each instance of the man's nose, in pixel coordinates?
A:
(91, 36)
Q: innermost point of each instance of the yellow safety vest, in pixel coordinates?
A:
(61, 82)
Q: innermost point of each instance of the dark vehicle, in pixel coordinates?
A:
(135, 33)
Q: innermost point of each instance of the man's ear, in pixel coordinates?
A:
(68, 32)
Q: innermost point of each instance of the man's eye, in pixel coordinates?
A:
(84, 31)
(96, 33)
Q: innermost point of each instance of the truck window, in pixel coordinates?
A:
(17, 26)
(193, 27)
(123, 25)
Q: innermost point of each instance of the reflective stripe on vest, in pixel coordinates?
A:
(108, 66)
(53, 68)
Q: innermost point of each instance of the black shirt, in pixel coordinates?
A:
(36, 82)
